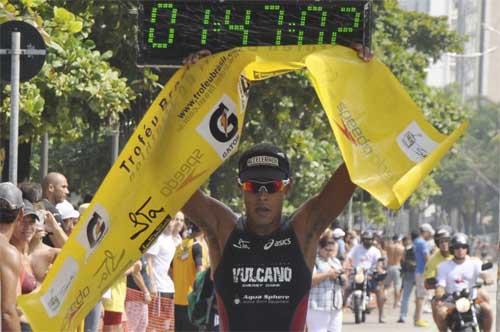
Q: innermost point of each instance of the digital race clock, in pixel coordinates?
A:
(171, 30)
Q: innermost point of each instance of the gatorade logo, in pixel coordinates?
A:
(94, 230)
(223, 124)
(220, 127)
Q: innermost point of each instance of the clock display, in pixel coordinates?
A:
(171, 30)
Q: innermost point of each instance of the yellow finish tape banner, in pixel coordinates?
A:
(194, 125)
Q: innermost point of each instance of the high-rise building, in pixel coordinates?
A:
(475, 69)
(491, 64)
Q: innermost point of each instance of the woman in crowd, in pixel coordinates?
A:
(35, 264)
(325, 299)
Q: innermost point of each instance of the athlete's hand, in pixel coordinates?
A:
(193, 58)
(364, 53)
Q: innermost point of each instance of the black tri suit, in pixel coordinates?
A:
(262, 282)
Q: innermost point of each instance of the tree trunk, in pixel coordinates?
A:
(4, 160)
(23, 162)
(24, 165)
(414, 217)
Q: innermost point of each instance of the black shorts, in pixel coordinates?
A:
(182, 322)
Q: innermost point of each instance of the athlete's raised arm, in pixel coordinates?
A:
(214, 218)
(314, 216)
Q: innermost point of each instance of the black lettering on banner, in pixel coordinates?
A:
(231, 147)
(109, 265)
(158, 230)
(223, 127)
(141, 218)
(145, 138)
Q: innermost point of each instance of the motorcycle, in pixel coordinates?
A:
(360, 295)
(464, 308)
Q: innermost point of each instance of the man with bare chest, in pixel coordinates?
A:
(395, 252)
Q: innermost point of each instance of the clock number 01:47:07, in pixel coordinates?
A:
(244, 28)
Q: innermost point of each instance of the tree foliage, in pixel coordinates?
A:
(470, 178)
(77, 93)
(286, 111)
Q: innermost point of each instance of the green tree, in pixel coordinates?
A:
(470, 178)
(286, 111)
(77, 93)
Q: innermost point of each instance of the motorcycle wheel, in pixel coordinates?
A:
(357, 310)
(468, 329)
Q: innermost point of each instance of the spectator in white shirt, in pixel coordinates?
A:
(159, 257)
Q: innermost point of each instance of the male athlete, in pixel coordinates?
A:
(262, 262)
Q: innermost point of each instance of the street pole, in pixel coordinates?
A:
(14, 106)
(115, 141)
(44, 152)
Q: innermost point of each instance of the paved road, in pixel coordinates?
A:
(391, 316)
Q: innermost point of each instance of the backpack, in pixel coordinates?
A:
(201, 300)
(409, 262)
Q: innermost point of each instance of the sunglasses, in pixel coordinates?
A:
(270, 187)
(460, 246)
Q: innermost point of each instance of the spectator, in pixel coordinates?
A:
(114, 305)
(32, 191)
(395, 252)
(351, 240)
(338, 236)
(11, 213)
(159, 257)
(190, 257)
(54, 191)
(408, 265)
(138, 296)
(69, 216)
(422, 253)
(325, 299)
(33, 269)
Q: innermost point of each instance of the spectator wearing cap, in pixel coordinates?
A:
(422, 252)
(33, 267)
(191, 257)
(338, 236)
(11, 213)
(69, 216)
(160, 314)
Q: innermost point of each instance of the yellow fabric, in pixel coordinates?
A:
(432, 264)
(206, 256)
(195, 124)
(118, 293)
(184, 269)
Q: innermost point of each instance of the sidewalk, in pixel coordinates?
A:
(392, 315)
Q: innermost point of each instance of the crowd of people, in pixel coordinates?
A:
(436, 264)
(35, 222)
(36, 219)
